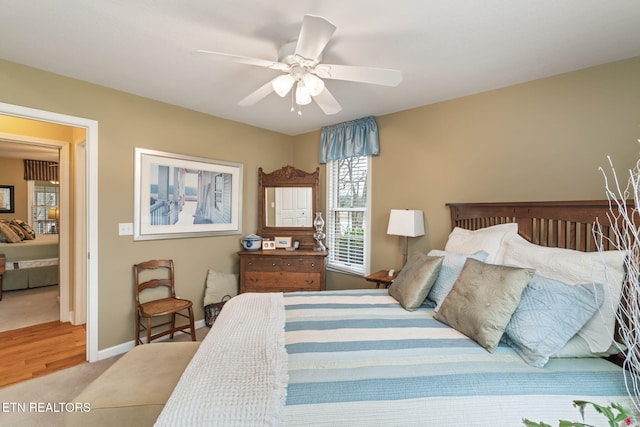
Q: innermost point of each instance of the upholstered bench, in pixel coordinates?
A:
(133, 391)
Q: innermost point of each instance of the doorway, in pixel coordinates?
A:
(84, 250)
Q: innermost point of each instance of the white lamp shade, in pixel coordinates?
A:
(283, 84)
(303, 97)
(314, 84)
(405, 222)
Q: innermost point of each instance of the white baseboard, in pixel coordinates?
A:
(129, 345)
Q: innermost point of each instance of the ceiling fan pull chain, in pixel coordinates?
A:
(292, 107)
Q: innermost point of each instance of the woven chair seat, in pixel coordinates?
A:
(164, 306)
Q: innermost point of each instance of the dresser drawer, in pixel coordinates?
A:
(263, 264)
(271, 271)
(302, 264)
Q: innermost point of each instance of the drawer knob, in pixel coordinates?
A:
(288, 264)
(313, 264)
(309, 281)
(273, 264)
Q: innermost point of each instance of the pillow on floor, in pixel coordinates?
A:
(482, 301)
(573, 268)
(549, 314)
(220, 285)
(451, 267)
(415, 280)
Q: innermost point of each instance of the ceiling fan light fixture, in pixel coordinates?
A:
(314, 84)
(283, 84)
(303, 97)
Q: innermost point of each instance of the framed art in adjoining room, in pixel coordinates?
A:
(6, 199)
(180, 196)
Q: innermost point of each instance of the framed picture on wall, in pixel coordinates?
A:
(180, 196)
(7, 204)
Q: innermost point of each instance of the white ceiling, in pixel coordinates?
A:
(444, 48)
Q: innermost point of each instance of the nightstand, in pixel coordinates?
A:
(381, 278)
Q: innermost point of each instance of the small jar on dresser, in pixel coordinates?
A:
(282, 271)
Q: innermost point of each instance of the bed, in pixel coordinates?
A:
(516, 322)
(30, 263)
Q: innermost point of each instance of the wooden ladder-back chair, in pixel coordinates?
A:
(155, 308)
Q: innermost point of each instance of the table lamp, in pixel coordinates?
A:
(406, 223)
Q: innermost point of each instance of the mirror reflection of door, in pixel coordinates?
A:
(293, 207)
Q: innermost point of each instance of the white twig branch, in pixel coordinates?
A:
(624, 235)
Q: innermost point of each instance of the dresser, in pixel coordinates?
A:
(282, 271)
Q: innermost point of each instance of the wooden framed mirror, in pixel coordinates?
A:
(287, 201)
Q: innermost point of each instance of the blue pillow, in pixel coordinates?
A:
(549, 314)
(449, 272)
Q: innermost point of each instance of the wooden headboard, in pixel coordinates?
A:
(553, 224)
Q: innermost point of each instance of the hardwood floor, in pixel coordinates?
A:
(40, 350)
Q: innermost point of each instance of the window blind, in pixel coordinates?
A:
(347, 195)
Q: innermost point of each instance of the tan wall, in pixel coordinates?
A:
(12, 173)
(125, 122)
(542, 140)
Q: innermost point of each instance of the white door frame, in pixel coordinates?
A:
(90, 230)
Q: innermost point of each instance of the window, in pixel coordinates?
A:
(44, 197)
(348, 207)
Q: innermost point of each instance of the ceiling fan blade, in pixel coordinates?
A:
(327, 102)
(378, 76)
(314, 35)
(257, 95)
(275, 65)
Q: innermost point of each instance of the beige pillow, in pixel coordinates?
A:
(483, 299)
(8, 235)
(414, 282)
(220, 285)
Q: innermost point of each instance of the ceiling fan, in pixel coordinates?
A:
(299, 60)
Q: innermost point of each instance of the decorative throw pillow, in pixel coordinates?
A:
(483, 299)
(451, 267)
(29, 233)
(415, 280)
(487, 239)
(17, 229)
(7, 234)
(574, 268)
(220, 285)
(549, 314)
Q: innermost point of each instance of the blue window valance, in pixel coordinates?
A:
(349, 139)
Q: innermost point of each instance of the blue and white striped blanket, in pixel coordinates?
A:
(357, 358)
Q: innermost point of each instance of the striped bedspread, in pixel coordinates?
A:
(357, 358)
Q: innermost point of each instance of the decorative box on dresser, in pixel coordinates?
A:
(282, 271)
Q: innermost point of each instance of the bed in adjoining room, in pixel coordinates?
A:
(512, 319)
(30, 263)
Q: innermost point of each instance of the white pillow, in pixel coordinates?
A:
(578, 347)
(574, 268)
(487, 239)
